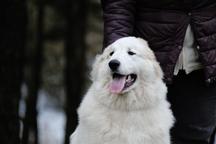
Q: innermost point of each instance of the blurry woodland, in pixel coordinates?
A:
(46, 51)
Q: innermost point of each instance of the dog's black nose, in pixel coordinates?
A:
(114, 64)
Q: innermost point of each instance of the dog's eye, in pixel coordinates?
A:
(111, 53)
(131, 53)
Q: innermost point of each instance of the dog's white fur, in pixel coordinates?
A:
(138, 115)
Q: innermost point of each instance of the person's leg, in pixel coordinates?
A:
(194, 107)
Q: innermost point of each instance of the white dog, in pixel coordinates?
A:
(126, 103)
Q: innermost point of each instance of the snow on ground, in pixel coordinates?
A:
(51, 121)
(215, 140)
(51, 126)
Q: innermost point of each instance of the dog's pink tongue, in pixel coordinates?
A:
(117, 85)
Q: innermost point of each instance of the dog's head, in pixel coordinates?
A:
(126, 66)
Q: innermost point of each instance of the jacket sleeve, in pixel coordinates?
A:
(118, 16)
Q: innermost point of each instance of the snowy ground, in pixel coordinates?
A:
(51, 127)
(51, 118)
(51, 121)
(215, 140)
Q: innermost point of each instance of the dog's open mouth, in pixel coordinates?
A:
(121, 82)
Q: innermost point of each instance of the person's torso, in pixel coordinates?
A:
(163, 24)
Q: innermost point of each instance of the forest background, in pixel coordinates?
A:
(46, 52)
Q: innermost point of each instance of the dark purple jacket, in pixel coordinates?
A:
(164, 26)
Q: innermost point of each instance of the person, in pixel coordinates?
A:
(182, 34)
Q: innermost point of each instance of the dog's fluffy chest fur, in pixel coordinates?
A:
(101, 125)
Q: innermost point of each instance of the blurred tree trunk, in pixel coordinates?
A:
(13, 18)
(30, 132)
(76, 14)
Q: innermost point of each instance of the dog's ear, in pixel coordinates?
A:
(94, 71)
(143, 42)
(151, 56)
(146, 49)
(98, 59)
(158, 70)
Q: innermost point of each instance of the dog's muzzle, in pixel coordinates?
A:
(120, 82)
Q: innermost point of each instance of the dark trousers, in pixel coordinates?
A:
(194, 107)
